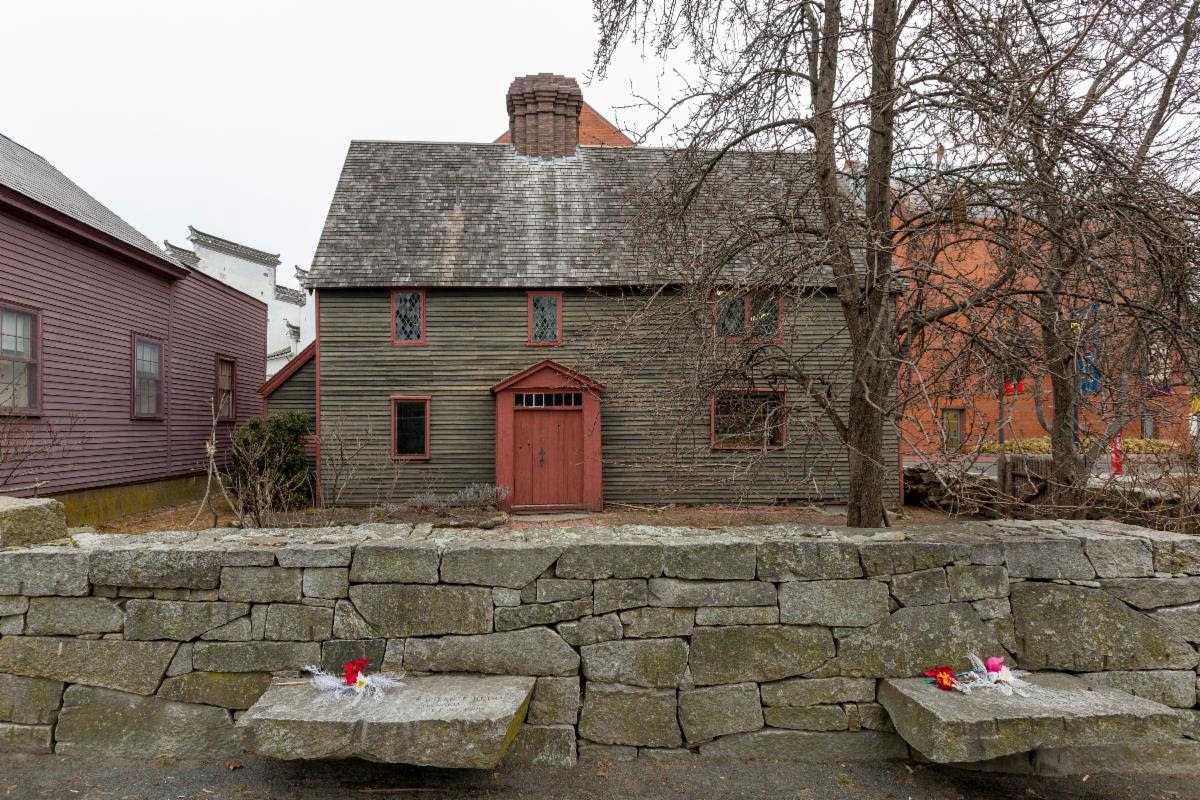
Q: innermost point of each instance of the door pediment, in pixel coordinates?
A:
(548, 374)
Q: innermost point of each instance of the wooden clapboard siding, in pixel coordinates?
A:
(92, 301)
(297, 393)
(477, 338)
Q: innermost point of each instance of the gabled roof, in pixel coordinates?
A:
(481, 215)
(594, 129)
(28, 174)
(531, 377)
(232, 248)
(289, 295)
(289, 369)
(182, 254)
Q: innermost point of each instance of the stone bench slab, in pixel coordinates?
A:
(455, 721)
(951, 727)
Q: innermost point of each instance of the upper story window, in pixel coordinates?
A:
(19, 331)
(545, 318)
(410, 427)
(408, 317)
(147, 378)
(226, 398)
(749, 420)
(757, 315)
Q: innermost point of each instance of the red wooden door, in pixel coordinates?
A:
(548, 458)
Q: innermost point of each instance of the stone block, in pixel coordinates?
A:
(135, 667)
(555, 702)
(542, 746)
(529, 651)
(710, 558)
(254, 656)
(181, 663)
(11, 605)
(993, 608)
(29, 701)
(395, 562)
(1152, 593)
(1183, 620)
(629, 715)
(1174, 688)
(1048, 559)
(850, 603)
(330, 583)
(654, 663)
(1173, 757)
(1177, 554)
(510, 619)
(403, 610)
(896, 558)
(262, 584)
(12, 626)
(818, 691)
(116, 724)
(791, 560)
(591, 630)
(714, 711)
(651, 623)
(315, 555)
(926, 587)
(615, 595)
(740, 654)
(1115, 637)
(809, 747)
(666, 756)
(911, 639)
(595, 753)
(31, 520)
(969, 582)
(158, 567)
(336, 652)
(71, 616)
(177, 620)
(807, 718)
(553, 590)
(1119, 556)
(349, 624)
(239, 630)
(293, 623)
(600, 560)
(509, 564)
(738, 615)
(507, 598)
(868, 716)
(235, 690)
(35, 739)
(44, 572)
(675, 593)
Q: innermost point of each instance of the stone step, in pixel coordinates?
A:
(455, 721)
(949, 727)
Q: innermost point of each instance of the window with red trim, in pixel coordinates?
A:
(147, 382)
(748, 420)
(226, 396)
(408, 317)
(410, 427)
(19, 332)
(545, 318)
(754, 314)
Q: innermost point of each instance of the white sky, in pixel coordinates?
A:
(234, 115)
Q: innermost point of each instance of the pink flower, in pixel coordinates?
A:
(994, 664)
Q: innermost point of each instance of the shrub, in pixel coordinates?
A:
(268, 469)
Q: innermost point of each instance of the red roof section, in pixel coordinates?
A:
(594, 129)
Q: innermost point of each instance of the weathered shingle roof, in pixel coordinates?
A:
(435, 214)
(24, 171)
(289, 295)
(198, 237)
(182, 254)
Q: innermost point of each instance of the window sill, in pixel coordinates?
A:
(555, 343)
(20, 412)
(410, 342)
(401, 458)
(741, 448)
(146, 418)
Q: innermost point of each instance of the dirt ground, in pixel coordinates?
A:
(182, 517)
(89, 778)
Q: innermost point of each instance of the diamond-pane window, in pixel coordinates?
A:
(756, 313)
(409, 316)
(545, 318)
(731, 316)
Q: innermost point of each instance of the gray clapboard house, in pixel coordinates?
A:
(463, 293)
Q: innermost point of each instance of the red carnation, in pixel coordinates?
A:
(943, 676)
(352, 669)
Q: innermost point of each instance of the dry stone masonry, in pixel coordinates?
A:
(770, 643)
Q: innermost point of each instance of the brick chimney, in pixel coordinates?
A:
(543, 115)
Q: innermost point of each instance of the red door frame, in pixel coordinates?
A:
(550, 376)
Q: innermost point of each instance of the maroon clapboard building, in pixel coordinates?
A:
(104, 335)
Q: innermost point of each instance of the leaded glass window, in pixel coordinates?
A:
(746, 421)
(756, 313)
(147, 378)
(764, 315)
(731, 316)
(409, 317)
(411, 426)
(18, 360)
(544, 313)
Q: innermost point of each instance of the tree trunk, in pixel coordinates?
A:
(1067, 474)
(864, 507)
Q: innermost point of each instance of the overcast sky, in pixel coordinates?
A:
(234, 115)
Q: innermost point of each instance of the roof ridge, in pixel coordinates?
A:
(233, 248)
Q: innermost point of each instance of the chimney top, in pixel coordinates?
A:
(543, 115)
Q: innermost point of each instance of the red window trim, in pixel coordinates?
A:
(529, 340)
(747, 320)
(712, 421)
(231, 414)
(134, 338)
(409, 398)
(424, 318)
(36, 409)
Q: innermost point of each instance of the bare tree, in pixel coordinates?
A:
(342, 457)
(28, 445)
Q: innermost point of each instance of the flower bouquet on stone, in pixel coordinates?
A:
(991, 674)
(354, 684)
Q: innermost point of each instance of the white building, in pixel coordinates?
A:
(290, 323)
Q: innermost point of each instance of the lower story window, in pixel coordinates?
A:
(18, 360)
(147, 377)
(748, 420)
(410, 427)
(952, 425)
(226, 399)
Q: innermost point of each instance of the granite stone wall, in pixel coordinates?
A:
(646, 642)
